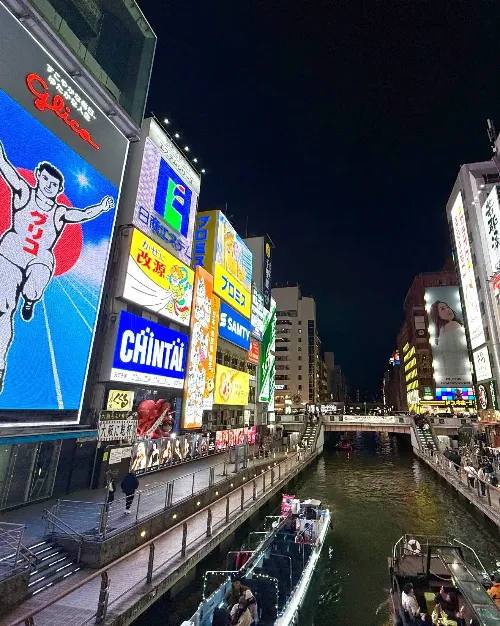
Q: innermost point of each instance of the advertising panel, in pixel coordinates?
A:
(487, 397)
(120, 400)
(232, 291)
(450, 394)
(266, 285)
(482, 364)
(233, 327)
(205, 235)
(258, 314)
(466, 272)
(450, 356)
(254, 352)
(157, 281)
(198, 350)
(491, 221)
(231, 386)
(149, 354)
(61, 164)
(167, 194)
(115, 425)
(208, 396)
(267, 365)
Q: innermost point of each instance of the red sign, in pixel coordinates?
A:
(254, 352)
(286, 504)
(40, 89)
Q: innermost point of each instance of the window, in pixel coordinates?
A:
(487, 333)
(300, 377)
(300, 339)
(299, 322)
(482, 307)
(299, 349)
(300, 387)
(300, 367)
(300, 358)
(281, 348)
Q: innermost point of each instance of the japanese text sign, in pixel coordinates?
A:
(231, 386)
(120, 400)
(491, 221)
(254, 352)
(266, 279)
(258, 314)
(208, 396)
(232, 291)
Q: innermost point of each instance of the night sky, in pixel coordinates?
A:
(338, 128)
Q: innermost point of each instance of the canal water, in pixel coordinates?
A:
(376, 494)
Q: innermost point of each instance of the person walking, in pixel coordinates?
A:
(129, 486)
(110, 489)
(471, 473)
(481, 475)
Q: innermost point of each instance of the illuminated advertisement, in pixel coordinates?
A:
(61, 163)
(254, 352)
(198, 350)
(157, 281)
(233, 327)
(231, 386)
(216, 241)
(491, 221)
(466, 272)
(450, 356)
(148, 353)
(208, 396)
(232, 291)
(455, 393)
(267, 366)
(120, 400)
(167, 194)
(258, 314)
(482, 365)
(266, 281)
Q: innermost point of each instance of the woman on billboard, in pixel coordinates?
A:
(450, 345)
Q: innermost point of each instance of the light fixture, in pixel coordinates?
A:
(177, 135)
(172, 436)
(216, 493)
(166, 121)
(203, 171)
(198, 503)
(143, 533)
(195, 160)
(186, 148)
(232, 485)
(174, 516)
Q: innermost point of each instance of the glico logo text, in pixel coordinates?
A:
(40, 89)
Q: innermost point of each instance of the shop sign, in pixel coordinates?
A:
(254, 352)
(233, 327)
(482, 363)
(491, 221)
(232, 291)
(267, 272)
(116, 425)
(120, 400)
(148, 353)
(267, 365)
(198, 350)
(258, 314)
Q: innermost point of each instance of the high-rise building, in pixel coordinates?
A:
(300, 377)
(339, 385)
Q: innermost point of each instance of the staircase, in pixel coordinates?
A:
(310, 435)
(53, 564)
(425, 438)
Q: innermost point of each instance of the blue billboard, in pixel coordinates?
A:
(234, 327)
(56, 220)
(149, 354)
(173, 199)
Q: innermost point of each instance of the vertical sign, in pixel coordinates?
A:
(491, 221)
(198, 359)
(466, 272)
(267, 358)
(266, 281)
(208, 396)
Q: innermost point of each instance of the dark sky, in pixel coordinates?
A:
(338, 127)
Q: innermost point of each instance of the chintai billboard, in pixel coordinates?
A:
(61, 165)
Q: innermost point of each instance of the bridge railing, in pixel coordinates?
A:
(381, 420)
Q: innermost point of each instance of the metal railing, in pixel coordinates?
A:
(184, 540)
(12, 551)
(367, 419)
(99, 520)
(53, 523)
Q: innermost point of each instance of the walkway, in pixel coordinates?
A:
(130, 593)
(83, 512)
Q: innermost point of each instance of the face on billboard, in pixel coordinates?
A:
(258, 314)
(232, 291)
(149, 354)
(447, 337)
(267, 358)
(198, 350)
(466, 272)
(167, 196)
(157, 281)
(233, 327)
(231, 386)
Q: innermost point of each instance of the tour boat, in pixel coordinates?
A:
(429, 563)
(277, 565)
(344, 446)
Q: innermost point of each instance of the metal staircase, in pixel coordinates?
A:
(310, 435)
(52, 565)
(424, 437)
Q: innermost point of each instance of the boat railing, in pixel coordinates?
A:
(484, 570)
(417, 545)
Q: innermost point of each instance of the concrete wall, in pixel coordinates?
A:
(13, 590)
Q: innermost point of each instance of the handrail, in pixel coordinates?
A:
(473, 552)
(48, 514)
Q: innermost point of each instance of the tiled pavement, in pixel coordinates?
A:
(128, 575)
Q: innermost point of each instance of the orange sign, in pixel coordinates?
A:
(208, 396)
(254, 352)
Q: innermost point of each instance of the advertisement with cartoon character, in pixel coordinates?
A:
(157, 281)
(231, 386)
(198, 350)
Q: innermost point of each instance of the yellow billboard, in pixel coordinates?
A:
(157, 281)
(232, 291)
(231, 386)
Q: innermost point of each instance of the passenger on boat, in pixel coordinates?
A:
(251, 604)
(234, 593)
(447, 601)
(409, 602)
(240, 614)
(494, 591)
(221, 617)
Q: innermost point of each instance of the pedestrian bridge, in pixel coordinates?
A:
(368, 423)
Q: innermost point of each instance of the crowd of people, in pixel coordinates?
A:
(446, 610)
(240, 607)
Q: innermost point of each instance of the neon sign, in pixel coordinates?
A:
(58, 106)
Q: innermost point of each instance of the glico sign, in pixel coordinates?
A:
(61, 166)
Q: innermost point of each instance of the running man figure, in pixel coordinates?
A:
(27, 247)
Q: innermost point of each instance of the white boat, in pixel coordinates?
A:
(277, 570)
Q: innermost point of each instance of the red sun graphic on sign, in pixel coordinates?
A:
(69, 246)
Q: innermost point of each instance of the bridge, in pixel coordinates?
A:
(368, 423)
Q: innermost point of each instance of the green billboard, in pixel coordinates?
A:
(267, 365)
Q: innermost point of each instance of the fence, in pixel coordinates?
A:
(160, 557)
(11, 536)
(98, 520)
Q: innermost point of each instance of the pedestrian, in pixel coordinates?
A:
(471, 473)
(111, 487)
(129, 486)
(482, 480)
(494, 591)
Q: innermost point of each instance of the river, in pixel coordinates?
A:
(375, 494)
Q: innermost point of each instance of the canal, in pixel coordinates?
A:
(375, 494)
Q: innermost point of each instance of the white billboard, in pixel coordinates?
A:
(482, 364)
(491, 221)
(466, 272)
